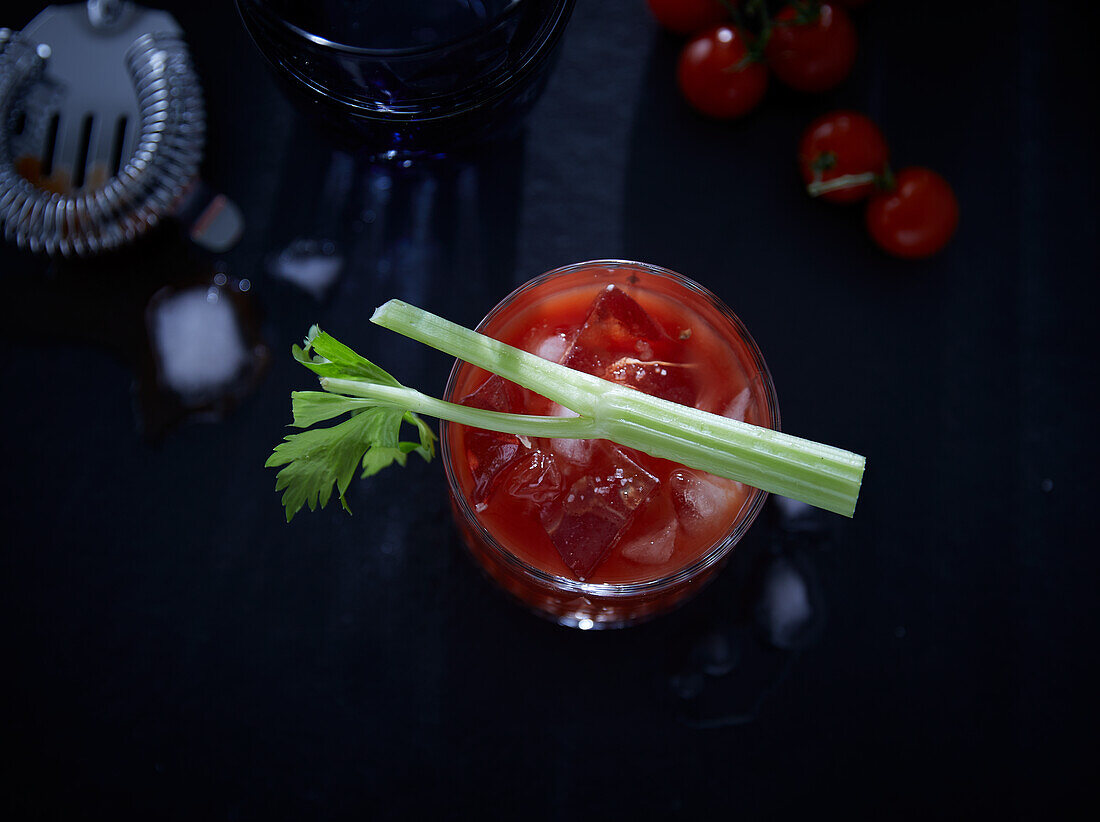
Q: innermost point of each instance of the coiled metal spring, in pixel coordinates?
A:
(149, 183)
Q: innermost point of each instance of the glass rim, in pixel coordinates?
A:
(746, 515)
(412, 51)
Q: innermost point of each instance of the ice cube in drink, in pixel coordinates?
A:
(586, 521)
(490, 453)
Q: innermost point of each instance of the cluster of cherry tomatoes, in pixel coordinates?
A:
(844, 158)
(736, 44)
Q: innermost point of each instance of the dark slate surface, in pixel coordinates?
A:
(174, 650)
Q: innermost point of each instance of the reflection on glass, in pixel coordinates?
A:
(404, 79)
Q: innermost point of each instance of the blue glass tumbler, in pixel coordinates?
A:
(405, 78)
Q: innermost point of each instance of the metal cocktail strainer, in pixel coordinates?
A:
(101, 131)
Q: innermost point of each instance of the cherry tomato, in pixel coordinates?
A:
(688, 16)
(842, 143)
(718, 77)
(916, 217)
(815, 53)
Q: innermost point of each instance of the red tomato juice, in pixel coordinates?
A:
(585, 531)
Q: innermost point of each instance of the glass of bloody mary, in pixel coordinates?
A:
(586, 532)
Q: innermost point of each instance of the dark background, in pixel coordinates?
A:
(173, 650)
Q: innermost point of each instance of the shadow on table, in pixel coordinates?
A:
(187, 328)
(349, 234)
(726, 652)
(724, 660)
(346, 235)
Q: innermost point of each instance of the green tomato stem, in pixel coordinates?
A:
(844, 181)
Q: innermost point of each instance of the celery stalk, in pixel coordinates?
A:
(820, 475)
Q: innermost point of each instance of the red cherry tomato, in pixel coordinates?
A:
(812, 54)
(917, 217)
(688, 16)
(717, 76)
(841, 144)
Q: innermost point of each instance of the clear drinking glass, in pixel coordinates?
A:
(504, 529)
(405, 78)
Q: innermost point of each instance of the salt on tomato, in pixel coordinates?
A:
(717, 75)
(916, 217)
(812, 52)
(842, 144)
(688, 16)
